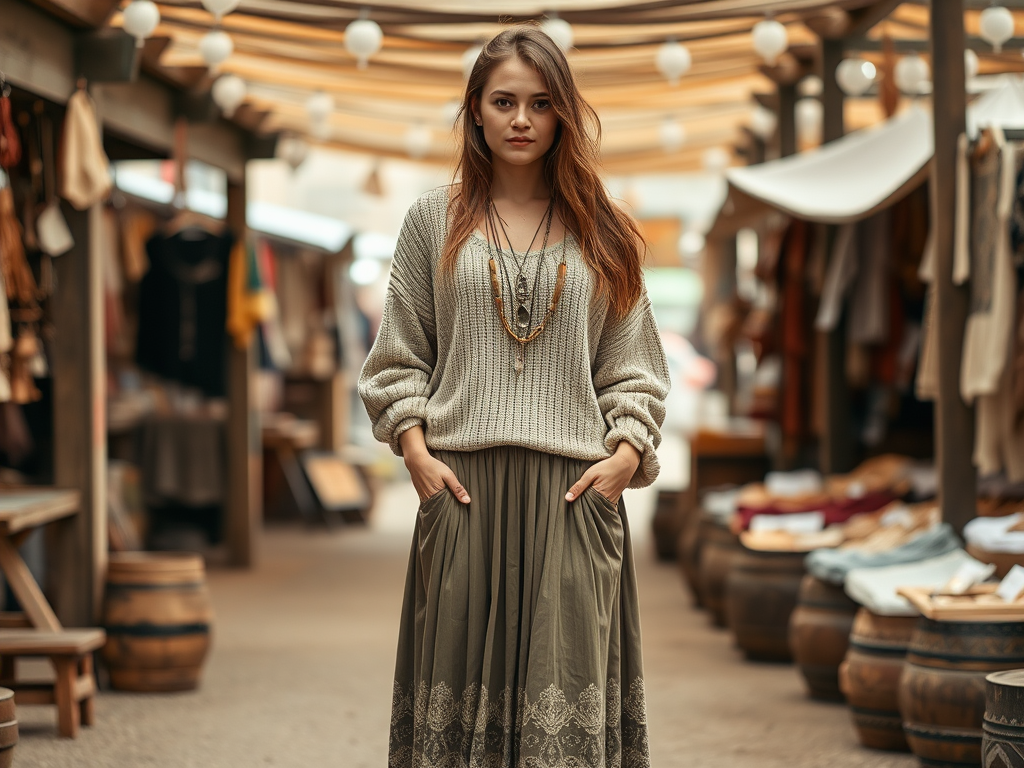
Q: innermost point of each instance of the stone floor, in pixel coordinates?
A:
(300, 673)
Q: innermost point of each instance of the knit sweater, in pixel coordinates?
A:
(443, 360)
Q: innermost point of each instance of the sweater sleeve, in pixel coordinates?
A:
(631, 380)
(395, 381)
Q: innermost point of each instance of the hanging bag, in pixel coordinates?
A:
(51, 227)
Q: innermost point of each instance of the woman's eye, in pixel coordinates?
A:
(542, 104)
(503, 103)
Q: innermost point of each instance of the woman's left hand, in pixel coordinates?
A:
(609, 476)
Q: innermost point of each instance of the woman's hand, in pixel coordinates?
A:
(609, 476)
(429, 475)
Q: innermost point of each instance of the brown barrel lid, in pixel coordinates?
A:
(1004, 697)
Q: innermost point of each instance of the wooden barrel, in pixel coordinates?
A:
(1002, 745)
(666, 524)
(157, 616)
(942, 690)
(870, 677)
(718, 548)
(688, 552)
(761, 591)
(8, 728)
(819, 634)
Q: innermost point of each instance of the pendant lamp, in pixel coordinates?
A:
(855, 76)
(809, 113)
(911, 74)
(996, 26)
(229, 93)
(418, 140)
(293, 150)
(363, 38)
(770, 40)
(716, 159)
(215, 47)
(450, 112)
(140, 18)
(763, 122)
(319, 107)
(673, 61)
(220, 8)
(672, 134)
(560, 31)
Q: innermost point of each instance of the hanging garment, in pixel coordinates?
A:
(85, 170)
(183, 460)
(869, 304)
(249, 302)
(927, 384)
(842, 270)
(183, 309)
(137, 226)
(520, 634)
(10, 143)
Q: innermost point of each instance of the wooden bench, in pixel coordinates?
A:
(74, 688)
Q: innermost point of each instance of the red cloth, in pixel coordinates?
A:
(836, 510)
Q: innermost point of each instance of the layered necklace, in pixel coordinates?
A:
(521, 329)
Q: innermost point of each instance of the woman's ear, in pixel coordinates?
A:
(474, 110)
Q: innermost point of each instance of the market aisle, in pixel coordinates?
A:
(300, 675)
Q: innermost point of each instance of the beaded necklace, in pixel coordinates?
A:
(522, 334)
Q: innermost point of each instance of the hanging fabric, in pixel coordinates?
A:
(85, 169)
(10, 144)
(51, 228)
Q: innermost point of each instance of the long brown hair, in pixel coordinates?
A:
(609, 238)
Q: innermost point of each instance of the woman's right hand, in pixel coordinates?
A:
(429, 475)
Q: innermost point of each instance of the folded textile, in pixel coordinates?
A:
(837, 510)
(993, 534)
(721, 504)
(833, 565)
(875, 588)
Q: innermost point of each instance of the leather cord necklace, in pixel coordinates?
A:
(524, 332)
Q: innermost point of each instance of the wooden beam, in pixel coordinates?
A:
(787, 120)
(89, 14)
(864, 19)
(244, 509)
(954, 418)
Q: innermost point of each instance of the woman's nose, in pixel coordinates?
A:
(520, 119)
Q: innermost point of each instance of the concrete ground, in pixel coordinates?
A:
(301, 669)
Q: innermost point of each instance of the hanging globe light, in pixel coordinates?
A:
(673, 135)
(560, 31)
(911, 74)
(691, 243)
(770, 40)
(220, 8)
(469, 60)
(809, 113)
(418, 141)
(763, 122)
(996, 26)
(139, 20)
(971, 64)
(215, 47)
(811, 86)
(363, 38)
(673, 61)
(855, 76)
(319, 107)
(450, 112)
(716, 159)
(293, 151)
(229, 93)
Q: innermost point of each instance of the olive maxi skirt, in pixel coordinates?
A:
(520, 634)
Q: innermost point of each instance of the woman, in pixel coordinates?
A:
(524, 387)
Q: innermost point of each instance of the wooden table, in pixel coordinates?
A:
(22, 510)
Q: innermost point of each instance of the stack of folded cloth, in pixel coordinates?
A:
(997, 540)
(875, 588)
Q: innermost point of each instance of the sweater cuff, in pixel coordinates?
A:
(399, 417)
(634, 432)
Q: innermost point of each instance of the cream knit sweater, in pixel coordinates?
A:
(443, 360)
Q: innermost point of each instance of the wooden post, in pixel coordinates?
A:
(78, 553)
(954, 419)
(245, 462)
(835, 450)
(787, 120)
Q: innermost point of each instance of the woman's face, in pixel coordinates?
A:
(515, 112)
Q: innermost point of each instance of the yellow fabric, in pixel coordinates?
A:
(247, 308)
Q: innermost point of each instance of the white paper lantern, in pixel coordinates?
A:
(971, 64)
(855, 76)
(215, 47)
(811, 86)
(140, 18)
(716, 159)
(672, 134)
(996, 26)
(450, 112)
(293, 151)
(229, 93)
(911, 74)
(560, 31)
(770, 40)
(469, 60)
(319, 106)
(418, 141)
(363, 38)
(673, 61)
(220, 8)
(809, 113)
(763, 122)
(691, 243)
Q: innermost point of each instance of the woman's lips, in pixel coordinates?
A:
(520, 142)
